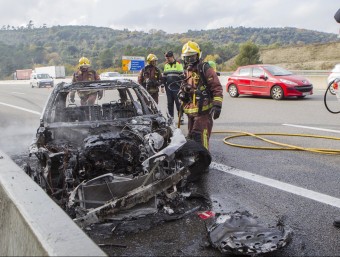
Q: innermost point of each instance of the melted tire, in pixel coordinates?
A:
(202, 157)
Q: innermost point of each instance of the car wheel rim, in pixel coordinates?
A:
(232, 91)
(277, 93)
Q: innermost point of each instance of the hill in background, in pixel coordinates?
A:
(29, 47)
(306, 57)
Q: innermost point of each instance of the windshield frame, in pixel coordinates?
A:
(277, 71)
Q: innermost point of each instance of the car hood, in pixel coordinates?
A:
(112, 78)
(295, 78)
(45, 80)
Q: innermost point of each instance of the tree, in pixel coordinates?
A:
(249, 54)
(105, 58)
(30, 25)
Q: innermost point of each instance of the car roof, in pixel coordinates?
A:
(257, 65)
(109, 72)
(100, 84)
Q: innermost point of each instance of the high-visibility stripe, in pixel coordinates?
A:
(218, 98)
(205, 139)
(172, 74)
(195, 110)
(175, 67)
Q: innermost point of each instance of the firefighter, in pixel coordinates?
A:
(201, 94)
(150, 77)
(85, 73)
(172, 75)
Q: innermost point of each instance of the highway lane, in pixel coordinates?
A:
(311, 219)
(19, 125)
(310, 215)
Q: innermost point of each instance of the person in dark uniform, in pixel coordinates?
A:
(150, 77)
(85, 73)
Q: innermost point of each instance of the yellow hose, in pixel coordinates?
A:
(283, 146)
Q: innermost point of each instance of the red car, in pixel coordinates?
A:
(267, 80)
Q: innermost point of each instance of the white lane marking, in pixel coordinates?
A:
(314, 128)
(18, 93)
(322, 198)
(20, 108)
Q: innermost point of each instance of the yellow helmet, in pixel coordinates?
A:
(84, 62)
(150, 58)
(191, 48)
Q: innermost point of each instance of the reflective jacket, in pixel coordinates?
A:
(85, 75)
(172, 73)
(150, 78)
(203, 89)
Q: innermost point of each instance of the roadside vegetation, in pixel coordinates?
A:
(28, 47)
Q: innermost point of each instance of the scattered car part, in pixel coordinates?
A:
(241, 233)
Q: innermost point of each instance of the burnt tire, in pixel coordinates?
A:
(202, 159)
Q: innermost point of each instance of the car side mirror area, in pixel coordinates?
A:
(263, 77)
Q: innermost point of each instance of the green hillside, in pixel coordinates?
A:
(23, 48)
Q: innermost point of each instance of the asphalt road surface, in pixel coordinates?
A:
(300, 187)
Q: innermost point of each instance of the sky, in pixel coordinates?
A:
(173, 16)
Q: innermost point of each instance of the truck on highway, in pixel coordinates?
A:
(53, 71)
(22, 74)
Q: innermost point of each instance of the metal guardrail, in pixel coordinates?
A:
(298, 72)
(312, 72)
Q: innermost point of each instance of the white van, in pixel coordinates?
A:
(41, 80)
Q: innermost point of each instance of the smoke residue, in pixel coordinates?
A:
(16, 137)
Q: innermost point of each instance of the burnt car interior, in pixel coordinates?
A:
(116, 103)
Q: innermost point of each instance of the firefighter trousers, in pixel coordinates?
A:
(199, 128)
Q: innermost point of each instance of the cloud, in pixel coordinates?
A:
(177, 16)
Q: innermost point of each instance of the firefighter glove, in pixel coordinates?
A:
(215, 112)
(184, 97)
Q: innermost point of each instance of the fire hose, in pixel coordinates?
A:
(279, 146)
(332, 86)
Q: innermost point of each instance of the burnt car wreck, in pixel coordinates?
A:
(111, 164)
(97, 160)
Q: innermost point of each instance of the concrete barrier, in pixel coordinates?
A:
(31, 224)
(319, 81)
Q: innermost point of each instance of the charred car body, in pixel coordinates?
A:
(96, 160)
(100, 162)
